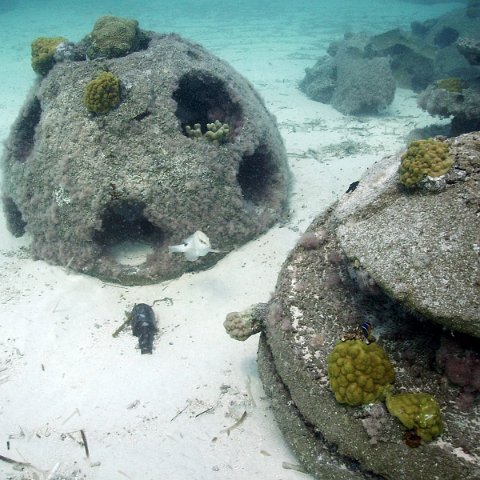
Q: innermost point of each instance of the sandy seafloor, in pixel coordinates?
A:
(167, 415)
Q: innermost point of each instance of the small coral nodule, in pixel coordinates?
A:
(424, 158)
(242, 325)
(43, 51)
(419, 412)
(359, 373)
(102, 94)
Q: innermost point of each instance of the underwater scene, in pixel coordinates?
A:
(240, 240)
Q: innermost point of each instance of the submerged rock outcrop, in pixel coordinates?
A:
(360, 72)
(399, 266)
(100, 156)
(349, 79)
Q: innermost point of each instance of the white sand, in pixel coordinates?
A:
(167, 415)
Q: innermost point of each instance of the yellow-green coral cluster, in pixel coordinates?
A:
(43, 50)
(102, 93)
(217, 132)
(452, 84)
(424, 158)
(417, 411)
(113, 37)
(359, 373)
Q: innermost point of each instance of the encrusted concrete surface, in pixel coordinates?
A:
(81, 183)
(331, 283)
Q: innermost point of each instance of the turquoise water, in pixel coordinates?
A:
(60, 368)
(272, 31)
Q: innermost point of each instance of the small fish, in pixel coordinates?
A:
(352, 187)
(362, 332)
(366, 328)
(193, 247)
(144, 326)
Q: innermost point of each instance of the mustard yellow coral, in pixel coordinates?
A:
(359, 373)
(424, 158)
(43, 50)
(417, 411)
(102, 93)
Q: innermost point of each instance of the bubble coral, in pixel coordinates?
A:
(43, 51)
(102, 93)
(359, 373)
(419, 412)
(424, 158)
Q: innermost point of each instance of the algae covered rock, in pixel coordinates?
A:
(90, 187)
(349, 79)
(406, 263)
(461, 104)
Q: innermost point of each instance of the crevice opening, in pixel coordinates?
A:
(15, 223)
(126, 234)
(258, 177)
(202, 98)
(24, 130)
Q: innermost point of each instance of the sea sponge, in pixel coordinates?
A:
(417, 411)
(102, 93)
(359, 373)
(113, 37)
(424, 158)
(43, 50)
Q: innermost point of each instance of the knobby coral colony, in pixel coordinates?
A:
(217, 132)
(102, 94)
(360, 373)
(43, 51)
(424, 158)
(114, 37)
(419, 412)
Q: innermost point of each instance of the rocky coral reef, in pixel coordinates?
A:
(348, 79)
(360, 72)
(404, 263)
(85, 179)
(457, 97)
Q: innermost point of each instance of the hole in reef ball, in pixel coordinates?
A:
(127, 235)
(202, 98)
(257, 176)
